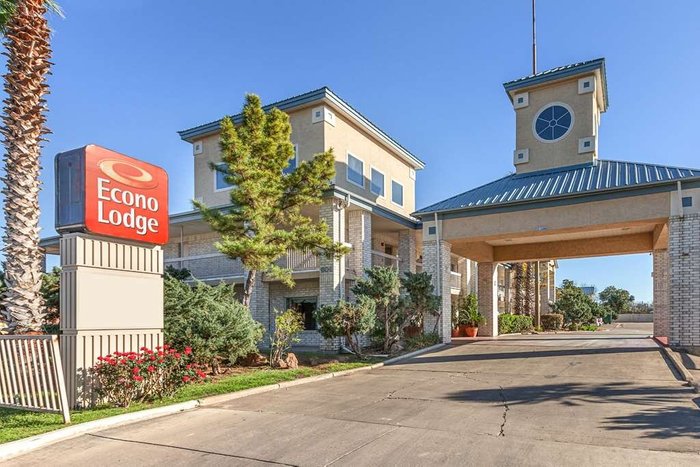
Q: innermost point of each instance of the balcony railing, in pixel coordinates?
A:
(214, 266)
(455, 280)
(384, 259)
(299, 260)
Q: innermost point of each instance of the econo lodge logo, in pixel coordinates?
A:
(125, 197)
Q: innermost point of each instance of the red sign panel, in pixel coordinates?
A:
(125, 197)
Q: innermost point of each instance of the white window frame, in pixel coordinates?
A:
(403, 192)
(347, 170)
(296, 159)
(383, 194)
(216, 172)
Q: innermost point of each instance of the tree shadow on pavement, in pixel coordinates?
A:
(664, 419)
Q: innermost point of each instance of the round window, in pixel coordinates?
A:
(553, 122)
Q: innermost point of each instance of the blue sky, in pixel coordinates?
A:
(129, 74)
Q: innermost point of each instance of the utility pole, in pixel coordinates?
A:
(534, 41)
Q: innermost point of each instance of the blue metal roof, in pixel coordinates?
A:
(205, 129)
(562, 182)
(558, 73)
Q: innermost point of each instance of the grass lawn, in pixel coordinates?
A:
(17, 424)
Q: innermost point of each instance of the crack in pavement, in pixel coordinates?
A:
(361, 446)
(505, 412)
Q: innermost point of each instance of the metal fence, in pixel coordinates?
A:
(31, 375)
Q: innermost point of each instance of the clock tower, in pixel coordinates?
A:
(557, 114)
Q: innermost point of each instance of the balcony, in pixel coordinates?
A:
(216, 266)
(384, 259)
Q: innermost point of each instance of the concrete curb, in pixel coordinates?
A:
(23, 446)
(678, 364)
(213, 400)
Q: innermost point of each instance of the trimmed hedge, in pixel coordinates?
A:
(508, 323)
(552, 321)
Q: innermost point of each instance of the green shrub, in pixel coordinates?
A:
(288, 325)
(552, 321)
(347, 320)
(576, 306)
(422, 341)
(508, 323)
(210, 321)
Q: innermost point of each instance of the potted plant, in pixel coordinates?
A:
(472, 321)
(467, 311)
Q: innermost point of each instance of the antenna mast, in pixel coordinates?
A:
(534, 41)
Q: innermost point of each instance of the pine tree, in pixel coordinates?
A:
(265, 219)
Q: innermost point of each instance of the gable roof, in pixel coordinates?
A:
(558, 73)
(561, 182)
(321, 94)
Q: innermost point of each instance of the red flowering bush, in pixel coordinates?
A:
(125, 377)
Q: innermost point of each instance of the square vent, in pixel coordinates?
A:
(521, 156)
(586, 85)
(197, 147)
(322, 114)
(521, 100)
(412, 174)
(587, 144)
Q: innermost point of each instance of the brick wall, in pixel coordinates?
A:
(684, 262)
(661, 295)
(279, 293)
(430, 265)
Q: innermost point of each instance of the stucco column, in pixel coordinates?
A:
(488, 298)
(506, 286)
(661, 295)
(438, 266)
(407, 251)
(331, 279)
(360, 236)
(684, 263)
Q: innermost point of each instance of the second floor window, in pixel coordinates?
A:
(219, 181)
(355, 172)
(376, 185)
(396, 193)
(292, 162)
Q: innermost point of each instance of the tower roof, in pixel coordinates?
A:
(559, 73)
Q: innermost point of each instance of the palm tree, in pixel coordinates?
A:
(26, 34)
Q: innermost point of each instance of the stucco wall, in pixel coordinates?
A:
(565, 151)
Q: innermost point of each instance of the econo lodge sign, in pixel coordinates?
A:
(107, 193)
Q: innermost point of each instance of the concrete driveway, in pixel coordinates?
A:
(605, 398)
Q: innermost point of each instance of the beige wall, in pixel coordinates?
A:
(307, 136)
(565, 151)
(346, 137)
(312, 138)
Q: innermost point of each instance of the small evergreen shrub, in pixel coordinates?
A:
(210, 321)
(347, 320)
(508, 323)
(288, 325)
(422, 341)
(552, 321)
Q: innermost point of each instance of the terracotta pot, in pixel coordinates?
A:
(411, 331)
(472, 331)
(463, 330)
(455, 332)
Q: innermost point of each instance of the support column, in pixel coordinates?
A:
(260, 303)
(331, 279)
(684, 263)
(661, 295)
(360, 232)
(437, 264)
(407, 251)
(507, 283)
(488, 298)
